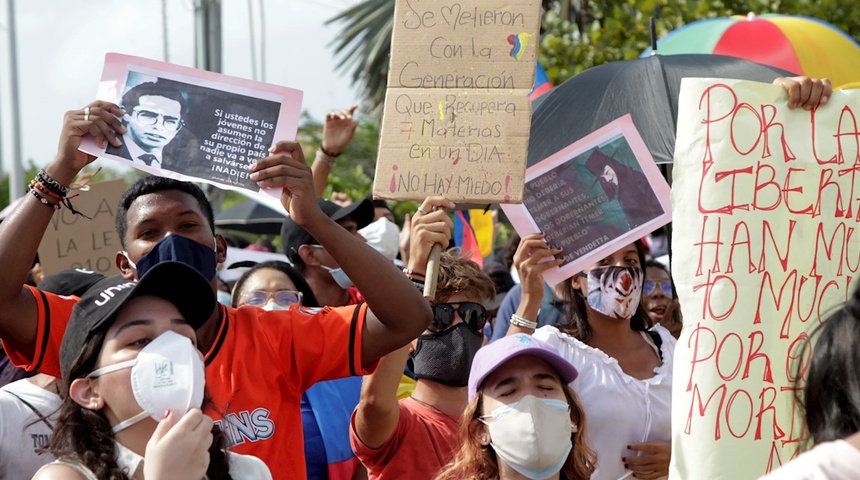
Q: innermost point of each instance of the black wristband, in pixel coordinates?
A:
(329, 153)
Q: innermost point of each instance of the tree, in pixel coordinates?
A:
(602, 31)
(104, 174)
(364, 47)
(576, 34)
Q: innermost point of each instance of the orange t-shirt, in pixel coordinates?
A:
(256, 370)
(423, 442)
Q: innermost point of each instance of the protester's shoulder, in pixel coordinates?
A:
(52, 298)
(25, 389)
(248, 467)
(252, 321)
(552, 335)
(64, 469)
(567, 345)
(837, 459)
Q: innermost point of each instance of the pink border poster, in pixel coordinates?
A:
(192, 124)
(593, 197)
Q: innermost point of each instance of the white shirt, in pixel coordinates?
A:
(619, 409)
(18, 438)
(241, 466)
(827, 461)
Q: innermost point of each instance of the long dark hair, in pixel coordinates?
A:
(308, 298)
(831, 396)
(577, 325)
(86, 435)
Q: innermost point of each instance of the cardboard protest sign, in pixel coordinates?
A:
(72, 241)
(593, 197)
(192, 124)
(457, 114)
(765, 207)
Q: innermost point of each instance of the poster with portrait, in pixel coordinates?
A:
(193, 124)
(591, 198)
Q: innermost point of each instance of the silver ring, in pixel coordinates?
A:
(86, 114)
(422, 210)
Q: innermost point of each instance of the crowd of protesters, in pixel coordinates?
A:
(329, 363)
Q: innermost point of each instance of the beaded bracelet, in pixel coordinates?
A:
(329, 153)
(55, 206)
(418, 284)
(51, 184)
(34, 185)
(412, 273)
(322, 157)
(523, 322)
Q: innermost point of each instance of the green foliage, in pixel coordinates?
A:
(104, 174)
(602, 31)
(364, 46)
(353, 172)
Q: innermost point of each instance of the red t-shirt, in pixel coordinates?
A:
(424, 441)
(256, 371)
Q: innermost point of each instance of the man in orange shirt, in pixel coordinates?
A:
(257, 363)
(415, 437)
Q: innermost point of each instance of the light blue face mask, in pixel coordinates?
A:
(224, 298)
(532, 436)
(340, 277)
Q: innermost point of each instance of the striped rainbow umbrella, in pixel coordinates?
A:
(804, 45)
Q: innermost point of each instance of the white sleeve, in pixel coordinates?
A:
(568, 347)
(248, 467)
(827, 461)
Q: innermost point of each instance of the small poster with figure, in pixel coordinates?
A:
(193, 124)
(593, 197)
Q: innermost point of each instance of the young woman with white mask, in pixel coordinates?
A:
(272, 285)
(625, 365)
(133, 385)
(523, 421)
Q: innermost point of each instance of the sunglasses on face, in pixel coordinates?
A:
(258, 298)
(650, 286)
(473, 314)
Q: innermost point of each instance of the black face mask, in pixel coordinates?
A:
(446, 357)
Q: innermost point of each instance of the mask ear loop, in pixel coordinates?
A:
(112, 368)
(131, 421)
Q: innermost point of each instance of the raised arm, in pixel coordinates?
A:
(22, 231)
(338, 131)
(377, 412)
(532, 259)
(398, 312)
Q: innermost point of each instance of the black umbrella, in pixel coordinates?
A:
(646, 88)
(252, 217)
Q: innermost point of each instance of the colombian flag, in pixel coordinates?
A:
(542, 83)
(473, 234)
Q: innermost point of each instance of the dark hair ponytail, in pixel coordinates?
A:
(86, 435)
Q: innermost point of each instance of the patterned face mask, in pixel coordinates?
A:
(615, 291)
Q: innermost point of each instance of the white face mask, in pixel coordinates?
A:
(383, 236)
(532, 436)
(166, 375)
(270, 306)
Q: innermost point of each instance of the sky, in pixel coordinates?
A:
(61, 47)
